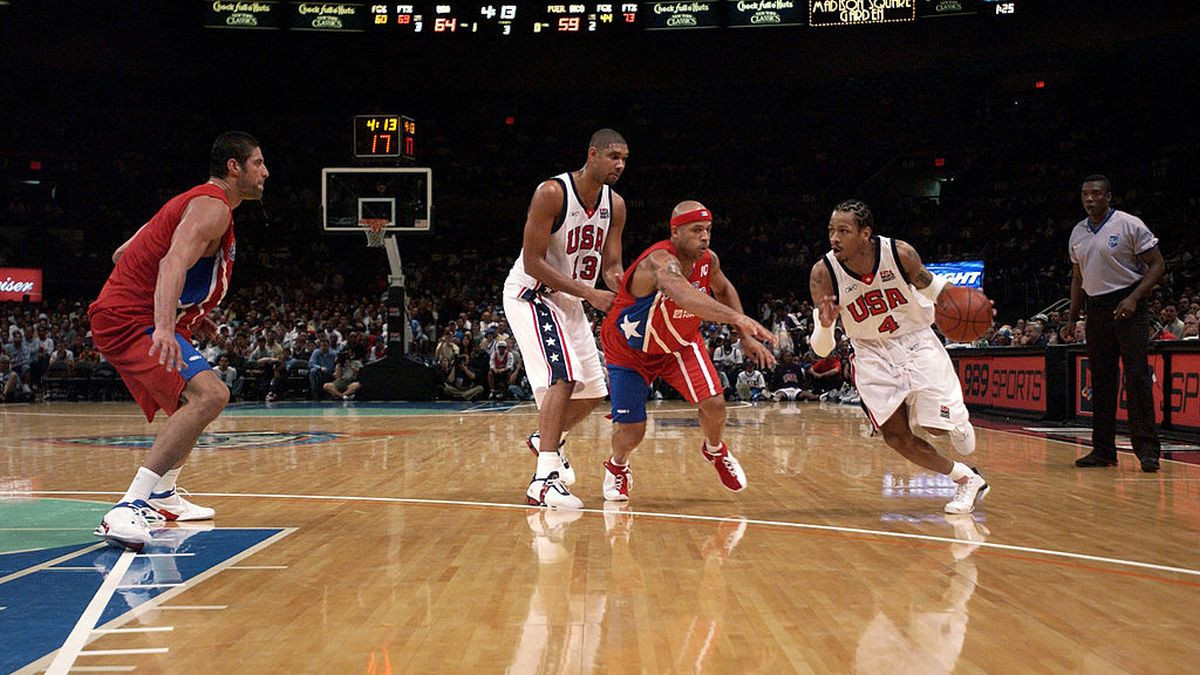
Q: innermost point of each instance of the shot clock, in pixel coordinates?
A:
(384, 136)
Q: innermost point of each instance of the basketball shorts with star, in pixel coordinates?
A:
(556, 343)
(124, 341)
(689, 371)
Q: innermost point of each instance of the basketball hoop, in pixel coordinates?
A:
(375, 229)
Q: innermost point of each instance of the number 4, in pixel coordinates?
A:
(888, 326)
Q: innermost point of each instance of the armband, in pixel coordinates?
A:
(822, 336)
(934, 289)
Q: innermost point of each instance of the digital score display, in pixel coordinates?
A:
(764, 13)
(856, 12)
(384, 136)
(585, 17)
(482, 17)
(681, 15)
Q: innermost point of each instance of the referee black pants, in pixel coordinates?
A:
(1108, 339)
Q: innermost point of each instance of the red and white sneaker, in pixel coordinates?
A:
(618, 480)
(565, 473)
(129, 525)
(173, 506)
(729, 470)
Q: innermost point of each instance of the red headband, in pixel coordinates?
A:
(691, 217)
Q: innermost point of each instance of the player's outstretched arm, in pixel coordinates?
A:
(727, 295)
(668, 277)
(611, 265)
(547, 203)
(825, 309)
(204, 221)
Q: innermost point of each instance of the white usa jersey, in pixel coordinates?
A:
(576, 242)
(881, 304)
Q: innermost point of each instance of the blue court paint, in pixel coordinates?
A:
(41, 608)
(211, 440)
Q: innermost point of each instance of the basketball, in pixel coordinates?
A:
(963, 314)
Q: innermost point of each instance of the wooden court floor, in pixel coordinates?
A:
(390, 539)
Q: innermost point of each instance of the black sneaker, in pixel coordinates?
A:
(1149, 464)
(1092, 460)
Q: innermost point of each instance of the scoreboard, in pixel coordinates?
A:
(481, 17)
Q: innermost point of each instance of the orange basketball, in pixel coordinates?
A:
(963, 314)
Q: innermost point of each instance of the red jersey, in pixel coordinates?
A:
(130, 287)
(653, 324)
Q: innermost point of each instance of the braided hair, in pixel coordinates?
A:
(862, 213)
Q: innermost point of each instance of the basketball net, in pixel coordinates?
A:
(375, 229)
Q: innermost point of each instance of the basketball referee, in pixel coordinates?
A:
(1116, 262)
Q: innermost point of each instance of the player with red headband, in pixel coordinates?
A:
(653, 331)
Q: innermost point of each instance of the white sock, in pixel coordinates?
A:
(959, 472)
(167, 483)
(142, 485)
(612, 460)
(547, 462)
(712, 449)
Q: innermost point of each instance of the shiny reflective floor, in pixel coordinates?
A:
(392, 538)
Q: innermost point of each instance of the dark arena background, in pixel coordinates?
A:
(386, 531)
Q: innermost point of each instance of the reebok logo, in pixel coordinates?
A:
(193, 357)
(622, 411)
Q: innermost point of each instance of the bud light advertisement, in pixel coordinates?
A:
(966, 273)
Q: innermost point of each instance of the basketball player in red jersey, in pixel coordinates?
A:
(885, 298)
(653, 331)
(167, 278)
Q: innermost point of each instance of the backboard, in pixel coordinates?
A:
(401, 196)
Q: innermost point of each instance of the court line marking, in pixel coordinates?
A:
(137, 629)
(119, 652)
(157, 601)
(67, 568)
(50, 563)
(73, 645)
(207, 608)
(259, 567)
(103, 669)
(171, 585)
(1122, 562)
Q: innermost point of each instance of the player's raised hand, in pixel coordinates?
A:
(601, 299)
(758, 352)
(828, 311)
(163, 345)
(748, 327)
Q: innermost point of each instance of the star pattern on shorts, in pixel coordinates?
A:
(554, 358)
(550, 341)
(548, 327)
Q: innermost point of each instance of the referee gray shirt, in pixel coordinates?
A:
(1107, 254)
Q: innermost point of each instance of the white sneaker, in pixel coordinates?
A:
(129, 524)
(618, 481)
(173, 506)
(968, 492)
(551, 492)
(963, 439)
(565, 471)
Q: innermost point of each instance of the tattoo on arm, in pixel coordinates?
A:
(672, 267)
(923, 278)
